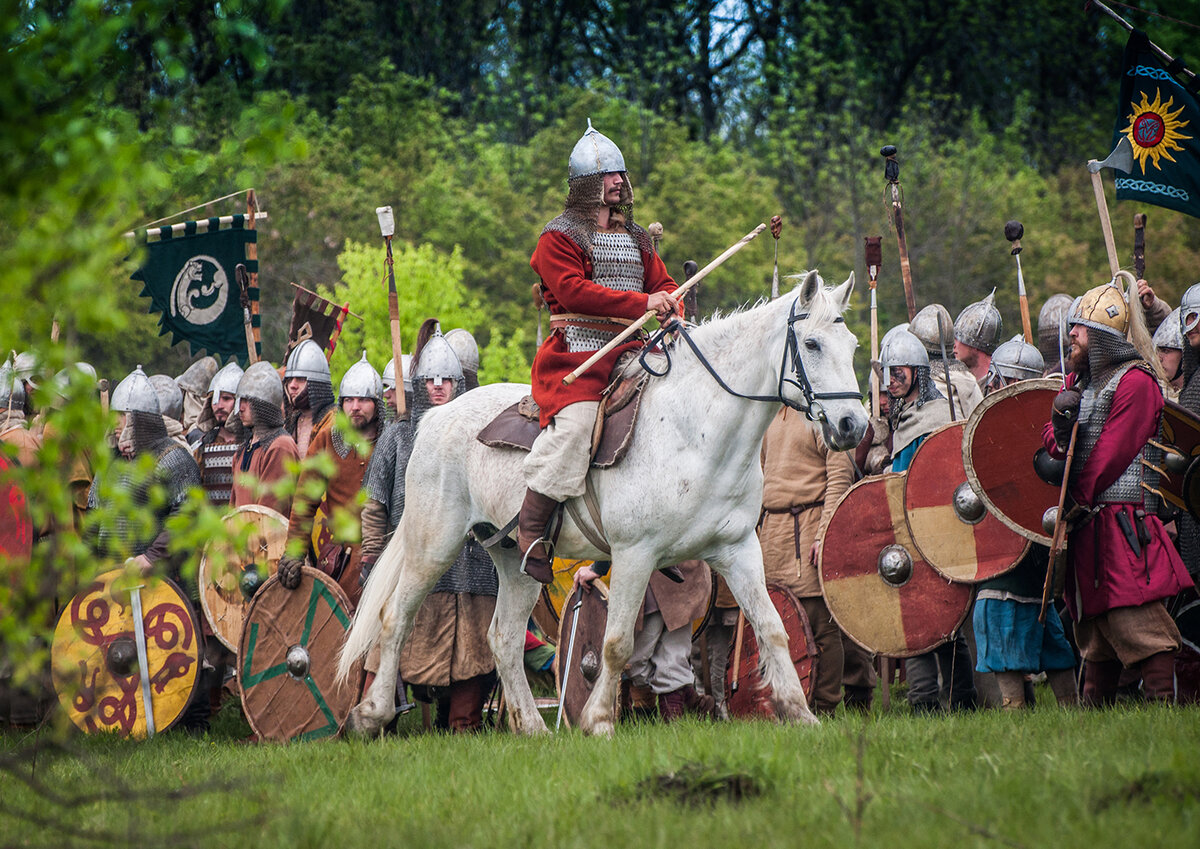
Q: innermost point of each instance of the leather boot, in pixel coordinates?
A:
(532, 523)
(1100, 679)
(641, 703)
(1012, 690)
(1158, 677)
(685, 700)
(1062, 684)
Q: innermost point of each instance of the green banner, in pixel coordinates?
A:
(191, 280)
(1161, 119)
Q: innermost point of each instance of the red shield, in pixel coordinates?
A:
(750, 698)
(913, 609)
(16, 529)
(1001, 438)
(287, 659)
(950, 526)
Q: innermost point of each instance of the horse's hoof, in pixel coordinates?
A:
(603, 728)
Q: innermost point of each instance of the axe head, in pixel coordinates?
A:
(1121, 158)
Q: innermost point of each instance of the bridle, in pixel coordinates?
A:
(811, 406)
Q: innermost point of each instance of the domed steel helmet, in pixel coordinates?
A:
(979, 325)
(438, 361)
(260, 382)
(406, 362)
(170, 396)
(1051, 324)
(1102, 308)
(1169, 334)
(926, 328)
(902, 348)
(1189, 309)
(594, 153)
(465, 348)
(25, 365)
(135, 394)
(228, 379)
(892, 332)
(1016, 359)
(308, 360)
(198, 375)
(12, 393)
(361, 381)
(389, 374)
(63, 378)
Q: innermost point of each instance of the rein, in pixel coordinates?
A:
(811, 407)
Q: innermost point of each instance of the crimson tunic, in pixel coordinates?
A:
(567, 287)
(1103, 572)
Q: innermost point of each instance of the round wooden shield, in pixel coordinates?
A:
(16, 528)
(226, 562)
(574, 675)
(1180, 430)
(287, 660)
(749, 698)
(1001, 438)
(94, 659)
(910, 611)
(547, 612)
(950, 525)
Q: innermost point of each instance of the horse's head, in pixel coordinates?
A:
(818, 376)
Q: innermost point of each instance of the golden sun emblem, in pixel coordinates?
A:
(1154, 130)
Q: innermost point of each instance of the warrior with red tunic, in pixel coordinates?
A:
(599, 274)
(1121, 563)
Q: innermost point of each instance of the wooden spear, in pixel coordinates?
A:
(874, 257)
(387, 226)
(1013, 231)
(891, 172)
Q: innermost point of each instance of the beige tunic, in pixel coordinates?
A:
(449, 640)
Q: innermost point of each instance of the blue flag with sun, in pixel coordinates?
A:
(1161, 119)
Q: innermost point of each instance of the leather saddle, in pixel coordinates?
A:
(518, 426)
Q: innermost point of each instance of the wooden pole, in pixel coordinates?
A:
(678, 293)
(1105, 223)
(1013, 231)
(874, 257)
(892, 174)
(738, 639)
(1139, 245)
(394, 322)
(252, 256)
(1058, 542)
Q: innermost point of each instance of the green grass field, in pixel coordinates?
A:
(1125, 777)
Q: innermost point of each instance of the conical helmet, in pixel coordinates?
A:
(1169, 334)
(62, 379)
(228, 378)
(465, 348)
(594, 153)
(932, 332)
(198, 375)
(135, 394)
(389, 374)
(170, 396)
(307, 360)
(260, 382)
(979, 324)
(902, 348)
(1016, 359)
(1102, 308)
(361, 381)
(12, 393)
(1052, 325)
(1189, 309)
(438, 361)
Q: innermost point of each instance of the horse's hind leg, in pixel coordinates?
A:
(514, 603)
(744, 574)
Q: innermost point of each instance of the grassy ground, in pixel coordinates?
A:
(1125, 777)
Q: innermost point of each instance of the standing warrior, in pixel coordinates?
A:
(310, 403)
(263, 460)
(221, 434)
(1168, 345)
(977, 332)
(194, 383)
(1121, 564)
(599, 274)
(313, 520)
(932, 325)
(448, 648)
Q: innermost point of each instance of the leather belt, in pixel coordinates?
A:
(795, 510)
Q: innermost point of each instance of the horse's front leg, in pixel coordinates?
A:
(378, 705)
(626, 593)
(743, 571)
(515, 601)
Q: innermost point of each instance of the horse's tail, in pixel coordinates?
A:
(372, 607)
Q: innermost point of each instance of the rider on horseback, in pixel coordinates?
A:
(599, 274)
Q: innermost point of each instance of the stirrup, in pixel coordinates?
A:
(548, 545)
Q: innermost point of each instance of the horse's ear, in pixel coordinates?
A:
(841, 295)
(809, 286)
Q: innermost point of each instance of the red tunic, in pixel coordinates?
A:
(1103, 572)
(567, 287)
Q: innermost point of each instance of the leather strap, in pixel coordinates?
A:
(795, 510)
(595, 537)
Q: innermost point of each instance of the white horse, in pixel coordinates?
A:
(690, 487)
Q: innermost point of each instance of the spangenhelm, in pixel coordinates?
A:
(1189, 309)
(170, 396)
(389, 374)
(308, 360)
(135, 394)
(12, 393)
(198, 375)
(979, 324)
(902, 348)
(438, 361)
(1169, 334)
(465, 348)
(260, 382)
(228, 379)
(1102, 308)
(1016, 359)
(594, 153)
(361, 381)
(925, 327)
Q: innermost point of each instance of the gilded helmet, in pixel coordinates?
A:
(979, 325)
(1102, 308)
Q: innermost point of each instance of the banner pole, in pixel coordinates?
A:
(252, 332)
